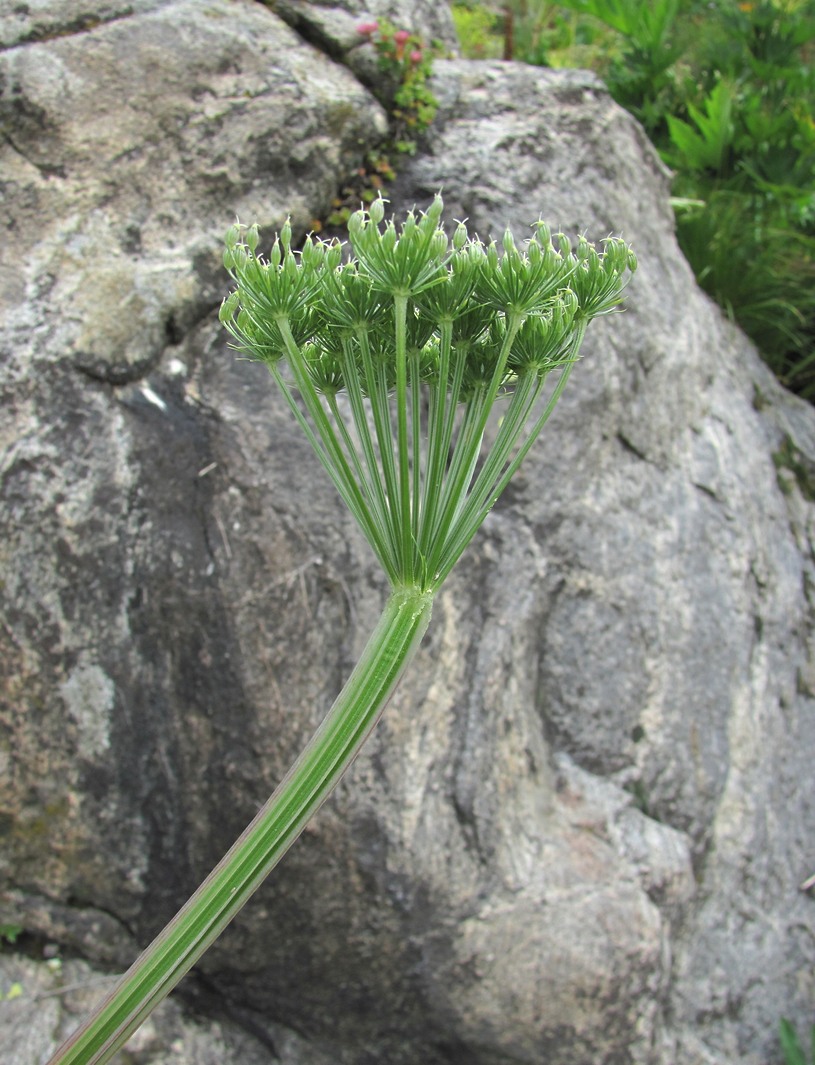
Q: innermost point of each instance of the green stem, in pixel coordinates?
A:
(436, 420)
(229, 886)
(400, 304)
(473, 518)
(377, 389)
(349, 492)
(375, 475)
(338, 466)
(468, 448)
(416, 437)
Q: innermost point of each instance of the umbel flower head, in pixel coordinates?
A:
(424, 334)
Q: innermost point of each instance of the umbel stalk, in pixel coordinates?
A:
(391, 361)
(264, 842)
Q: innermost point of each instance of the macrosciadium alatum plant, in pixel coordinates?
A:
(391, 362)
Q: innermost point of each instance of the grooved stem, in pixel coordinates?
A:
(237, 876)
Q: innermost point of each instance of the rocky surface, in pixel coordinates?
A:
(45, 1000)
(333, 25)
(668, 511)
(128, 141)
(580, 831)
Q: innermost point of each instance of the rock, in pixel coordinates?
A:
(43, 1001)
(334, 29)
(44, 20)
(579, 833)
(333, 26)
(129, 139)
(669, 519)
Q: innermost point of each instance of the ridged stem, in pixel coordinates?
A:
(238, 875)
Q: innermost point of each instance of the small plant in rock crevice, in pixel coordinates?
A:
(10, 933)
(405, 62)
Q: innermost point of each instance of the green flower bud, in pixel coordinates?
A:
(435, 209)
(228, 307)
(439, 244)
(312, 254)
(333, 257)
(508, 242)
(389, 238)
(275, 255)
(543, 234)
(376, 212)
(356, 224)
(285, 235)
(568, 303)
(252, 237)
(460, 236)
(461, 261)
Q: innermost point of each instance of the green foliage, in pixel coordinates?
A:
(746, 149)
(761, 273)
(706, 147)
(639, 75)
(407, 64)
(543, 33)
(10, 933)
(794, 1053)
(478, 31)
(726, 91)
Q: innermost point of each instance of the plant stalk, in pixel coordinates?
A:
(241, 871)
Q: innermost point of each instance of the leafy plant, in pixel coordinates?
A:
(707, 147)
(724, 239)
(479, 31)
(747, 154)
(424, 337)
(726, 92)
(533, 31)
(639, 75)
(406, 64)
(10, 933)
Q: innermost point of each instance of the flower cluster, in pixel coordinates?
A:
(393, 46)
(424, 333)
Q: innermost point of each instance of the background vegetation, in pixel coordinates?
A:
(726, 91)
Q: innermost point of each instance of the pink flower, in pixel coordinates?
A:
(401, 37)
(415, 57)
(365, 29)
